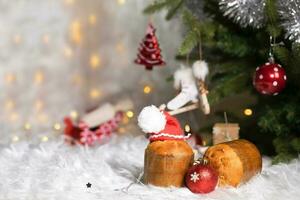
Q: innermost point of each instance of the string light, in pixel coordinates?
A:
(44, 138)
(248, 112)
(76, 79)
(95, 61)
(121, 2)
(27, 126)
(46, 39)
(38, 77)
(120, 47)
(129, 114)
(13, 116)
(39, 104)
(94, 93)
(74, 114)
(17, 39)
(10, 78)
(69, 2)
(187, 128)
(42, 118)
(147, 89)
(57, 126)
(125, 119)
(121, 130)
(68, 52)
(92, 19)
(76, 32)
(9, 104)
(15, 138)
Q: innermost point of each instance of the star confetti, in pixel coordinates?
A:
(88, 185)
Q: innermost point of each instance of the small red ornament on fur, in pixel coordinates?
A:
(201, 178)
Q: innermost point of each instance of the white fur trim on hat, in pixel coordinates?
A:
(200, 69)
(151, 119)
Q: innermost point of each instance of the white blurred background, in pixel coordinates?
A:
(66, 57)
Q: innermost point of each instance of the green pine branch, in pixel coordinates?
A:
(190, 41)
(171, 5)
(272, 18)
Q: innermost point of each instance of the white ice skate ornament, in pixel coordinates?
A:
(185, 81)
(192, 85)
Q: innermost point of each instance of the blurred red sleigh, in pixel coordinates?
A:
(96, 127)
(82, 133)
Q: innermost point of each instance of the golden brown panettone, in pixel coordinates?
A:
(166, 162)
(236, 161)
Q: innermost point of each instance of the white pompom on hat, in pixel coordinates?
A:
(151, 119)
(200, 69)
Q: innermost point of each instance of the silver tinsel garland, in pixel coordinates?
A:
(244, 12)
(289, 11)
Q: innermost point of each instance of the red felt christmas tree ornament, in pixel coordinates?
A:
(149, 52)
(201, 178)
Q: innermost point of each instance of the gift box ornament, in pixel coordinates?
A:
(224, 132)
(167, 156)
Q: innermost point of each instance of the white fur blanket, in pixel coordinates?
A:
(54, 170)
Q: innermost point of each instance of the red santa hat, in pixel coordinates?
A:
(160, 125)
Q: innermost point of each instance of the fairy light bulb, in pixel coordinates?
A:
(95, 61)
(120, 47)
(187, 128)
(68, 53)
(56, 126)
(39, 104)
(9, 104)
(42, 118)
(38, 77)
(45, 138)
(129, 114)
(76, 32)
(74, 114)
(248, 112)
(121, 2)
(121, 130)
(77, 79)
(147, 89)
(125, 119)
(69, 2)
(94, 93)
(10, 78)
(46, 39)
(13, 117)
(17, 39)
(92, 19)
(27, 126)
(15, 138)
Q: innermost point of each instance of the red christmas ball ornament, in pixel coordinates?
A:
(269, 79)
(201, 178)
